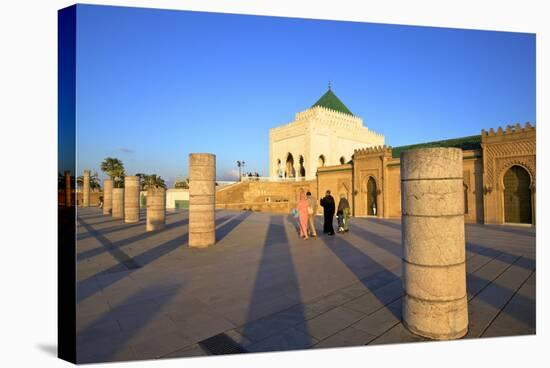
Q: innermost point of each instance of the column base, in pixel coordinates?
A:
(436, 320)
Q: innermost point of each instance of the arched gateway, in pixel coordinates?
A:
(372, 206)
(517, 196)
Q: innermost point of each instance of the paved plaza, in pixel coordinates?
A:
(144, 295)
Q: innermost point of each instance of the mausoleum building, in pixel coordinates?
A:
(323, 135)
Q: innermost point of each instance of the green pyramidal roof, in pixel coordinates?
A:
(330, 101)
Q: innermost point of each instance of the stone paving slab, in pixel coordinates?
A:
(147, 295)
(518, 317)
(331, 322)
(377, 323)
(396, 335)
(349, 336)
(193, 350)
(489, 302)
(290, 339)
(377, 298)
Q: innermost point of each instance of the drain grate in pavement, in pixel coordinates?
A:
(221, 344)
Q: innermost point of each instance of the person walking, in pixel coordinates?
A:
(328, 209)
(311, 211)
(343, 214)
(302, 208)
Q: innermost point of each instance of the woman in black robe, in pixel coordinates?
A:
(328, 209)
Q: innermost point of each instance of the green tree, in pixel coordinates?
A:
(94, 181)
(152, 180)
(115, 169)
(182, 184)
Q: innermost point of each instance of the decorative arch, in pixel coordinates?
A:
(366, 180)
(342, 160)
(517, 195)
(372, 196)
(290, 172)
(302, 169)
(321, 161)
(508, 164)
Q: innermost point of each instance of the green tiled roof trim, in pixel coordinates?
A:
(466, 143)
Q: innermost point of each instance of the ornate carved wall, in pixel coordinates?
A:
(371, 163)
(502, 150)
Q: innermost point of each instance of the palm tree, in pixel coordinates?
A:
(115, 169)
(182, 184)
(94, 181)
(152, 180)
(239, 165)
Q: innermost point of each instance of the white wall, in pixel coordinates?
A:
(174, 194)
(319, 131)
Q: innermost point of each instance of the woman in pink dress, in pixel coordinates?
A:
(302, 214)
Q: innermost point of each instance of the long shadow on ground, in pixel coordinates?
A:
(275, 332)
(475, 283)
(226, 228)
(525, 231)
(380, 283)
(136, 262)
(114, 247)
(96, 345)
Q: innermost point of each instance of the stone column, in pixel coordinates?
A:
(68, 191)
(131, 199)
(202, 195)
(107, 196)
(86, 189)
(117, 199)
(434, 270)
(156, 208)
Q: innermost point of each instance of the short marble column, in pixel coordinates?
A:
(156, 208)
(117, 209)
(131, 199)
(434, 269)
(202, 196)
(68, 191)
(107, 196)
(86, 189)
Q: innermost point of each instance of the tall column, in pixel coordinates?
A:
(202, 196)
(434, 269)
(156, 208)
(107, 196)
(86, 189)
(117, 199)
(68, 191)
(131, 199)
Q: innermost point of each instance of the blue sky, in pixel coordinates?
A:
(155, 85)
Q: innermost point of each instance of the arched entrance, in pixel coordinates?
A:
(289, 170)
(517, 196)
(321, 161)
(372, 206)
(302, 171)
